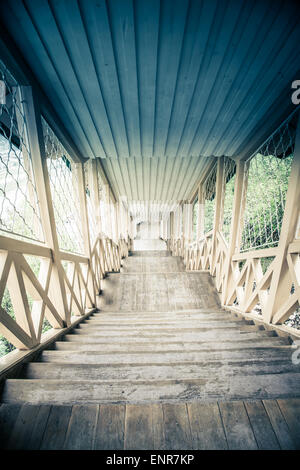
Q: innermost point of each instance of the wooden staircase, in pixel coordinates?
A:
(160, 337)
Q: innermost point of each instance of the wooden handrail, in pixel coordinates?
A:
(80, 273)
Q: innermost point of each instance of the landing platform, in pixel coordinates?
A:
(237, 425)
(150, 244)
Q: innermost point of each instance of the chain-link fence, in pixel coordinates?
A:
(90, 209)
(19, 205)
(209, 197)
(267, 182)
(64, 190)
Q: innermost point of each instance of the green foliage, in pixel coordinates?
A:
(5, 345)
(266, 192)
(209, 213)
(228, 206)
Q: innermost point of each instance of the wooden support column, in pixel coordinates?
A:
(171, 225)
(108, 212)
(117, 222)
(201, 206)
(187, 222)
(164, 229)
(94, 190)
(83, 206)
(79, 169)
(57, 292)
(180, 233)
(218, 217)
(123, 219)
(239, 201)
(176, 224)
(187, 229)
(281, 282)
(104, 212)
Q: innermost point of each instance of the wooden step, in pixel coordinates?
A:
(66, 392)
(178, 313)
(157, 329)
(199, 310)
(169, 346)
(160, 318)
(177, 336)
(153, 265)
(62, 371)
(149, 254)
(210, 354)
(164, 324)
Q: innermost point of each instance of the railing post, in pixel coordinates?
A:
(57, 292)
(171, 230)
(116, 222)
(236, 224)
(79, 169)
(111, 213)
(107, 221)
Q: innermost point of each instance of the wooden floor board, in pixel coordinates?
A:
(239, 433)
(81, 429)
(21, 432)
(159, 440)
(177, 427)
(290, 409)
(8, 416)
(38, 428)
(279, 425)
(206, 426)
(26, 426)
(57, 426)
(110, 428)
(264, 434)
(264, 425)
(138, 427)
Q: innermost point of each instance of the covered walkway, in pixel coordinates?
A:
(149, 224)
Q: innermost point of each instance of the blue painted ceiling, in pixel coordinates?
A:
(146, 84)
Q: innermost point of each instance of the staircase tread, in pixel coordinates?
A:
(71, 392)
(141, 381)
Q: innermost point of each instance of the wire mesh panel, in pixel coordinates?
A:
(64, 190)
(228, 185)
(209, 196)
(268, 175)
(19, 206)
